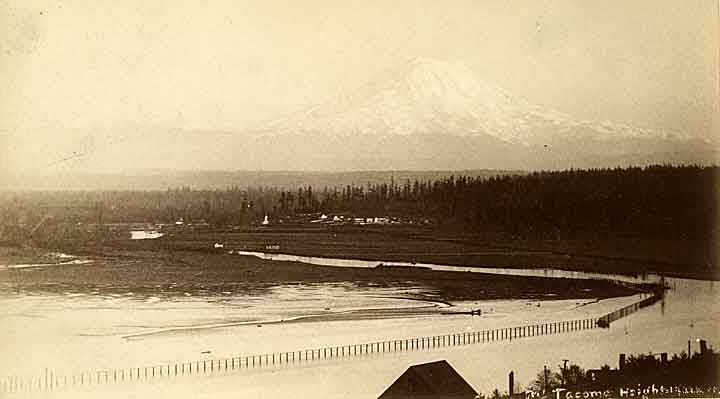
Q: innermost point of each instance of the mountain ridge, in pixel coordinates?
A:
(424, 96)
(419, 115)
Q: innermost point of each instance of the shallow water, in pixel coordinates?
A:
(78, 331)
(534, 272)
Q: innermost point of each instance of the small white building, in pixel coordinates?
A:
(145, 234)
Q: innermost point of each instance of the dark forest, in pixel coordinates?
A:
(665, 201)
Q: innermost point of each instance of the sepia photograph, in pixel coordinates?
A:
(458, 199)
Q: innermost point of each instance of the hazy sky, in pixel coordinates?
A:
(72, 68)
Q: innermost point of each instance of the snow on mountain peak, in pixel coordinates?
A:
(427, 96)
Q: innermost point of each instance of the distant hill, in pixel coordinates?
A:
(421, 115)
(161, 180)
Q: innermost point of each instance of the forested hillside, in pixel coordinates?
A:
(656, 200)
(666, 201)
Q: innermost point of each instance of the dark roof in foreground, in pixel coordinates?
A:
(436, 380)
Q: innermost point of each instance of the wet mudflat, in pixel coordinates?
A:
(172, 273)
(131, 312)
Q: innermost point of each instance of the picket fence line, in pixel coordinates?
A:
(51, 381)
(605, 320)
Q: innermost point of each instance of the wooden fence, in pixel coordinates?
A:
(50, 380)
(605, 320)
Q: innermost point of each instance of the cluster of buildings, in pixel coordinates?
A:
(341, 219)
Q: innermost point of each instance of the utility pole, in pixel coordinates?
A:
(545, 374)
(511, 383)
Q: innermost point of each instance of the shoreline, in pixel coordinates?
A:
(345, 315)
(416, 266)
(616, 255)
(172, 272)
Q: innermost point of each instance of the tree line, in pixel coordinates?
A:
(664, 200)
(654, 200)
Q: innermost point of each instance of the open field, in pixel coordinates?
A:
(621, 255)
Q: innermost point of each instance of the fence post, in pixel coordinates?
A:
(52, 381)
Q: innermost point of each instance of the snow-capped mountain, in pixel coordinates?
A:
(420, 115)
(424, 96)
(431, 114)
